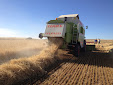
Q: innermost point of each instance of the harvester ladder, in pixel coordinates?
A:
(75, 35)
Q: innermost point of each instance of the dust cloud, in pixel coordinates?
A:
(21, 69)
(15, 49)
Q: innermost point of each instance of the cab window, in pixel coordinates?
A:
(81, 30)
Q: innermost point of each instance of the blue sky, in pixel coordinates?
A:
(27, 18)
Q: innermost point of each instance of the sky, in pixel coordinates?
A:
(27, 18)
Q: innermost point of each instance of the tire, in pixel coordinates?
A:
(76, 50)
(84, 48)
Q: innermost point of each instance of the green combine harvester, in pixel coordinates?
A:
(70, 29)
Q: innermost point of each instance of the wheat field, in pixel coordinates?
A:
(24, 59)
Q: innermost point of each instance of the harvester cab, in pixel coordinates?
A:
(70, 29)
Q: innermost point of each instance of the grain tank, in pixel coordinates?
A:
(70, 29)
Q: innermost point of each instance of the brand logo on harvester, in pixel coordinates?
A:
(53, 26)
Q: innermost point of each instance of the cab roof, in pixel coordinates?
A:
(70, 15)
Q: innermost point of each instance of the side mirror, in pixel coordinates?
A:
(86, 27)
(41, 35)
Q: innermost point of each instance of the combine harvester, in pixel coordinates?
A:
(70, 29)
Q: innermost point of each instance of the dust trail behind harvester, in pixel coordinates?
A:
(15, 49)
(20, 69)
(54, 44)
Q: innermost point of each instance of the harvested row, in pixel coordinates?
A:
(91, 69)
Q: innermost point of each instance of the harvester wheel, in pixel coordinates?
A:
(84, 48)
(77, 50)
